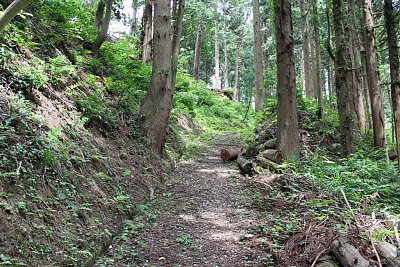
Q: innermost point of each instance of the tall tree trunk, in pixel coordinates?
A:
(134, 17)
(354, 46)
(235, 87)
(288, 131)
(176, 41)
(156, 108)
(343, 79)
(104, 29)
(98, 19)
(378, 124)
(226, 65)
(11, 11)
(394, 70)
(258, 57)
(216, 55)
(306, 50)
(147, 33)
(197, 55)
(318, 70)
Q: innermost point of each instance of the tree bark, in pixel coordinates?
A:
(147, 33)
(258, 57)
(98, 19)
(104, 29)
(347, 254)
(354, 46)
(216, 55)
(318, 79)
(391, 27)
(236, 84)
(308, 86)
(176, 41)
(378, 118)
(155, 111)
(274, 155)
(134, 17)
(343, 79)
(11, 11)
(197, 55)
(226, 64)
(288, 129)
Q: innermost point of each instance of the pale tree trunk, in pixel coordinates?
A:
(216, 55)
(343, 79)
(226, 65)
(134, 18)
(394, 70)
(308, 86)
(258, 57)
(288, 130)
(11, 11)
(313, 93)
(104, 28)
(154, 113)
(197, 54)
(147, 33)
(235, 87)
(318, 78)
(98, 19)
(378, 124)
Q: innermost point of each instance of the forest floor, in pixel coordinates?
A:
(202, 217)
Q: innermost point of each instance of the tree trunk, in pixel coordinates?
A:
(288, 129)
(147, 33)
(308, 86)
(98, 19)
(226, 65)
(134, 17)
(394, 70)
(378, 118)
(11, 11)
(274, 155)
(258, 57)
(155, 111)
(104, 29)
(343, 79)
(235, 87)
(347, 254)
(216, 55)
(354, 46)
(176, 41)
(197, 55)
(318, 79)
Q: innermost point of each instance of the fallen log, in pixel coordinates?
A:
(247, 166)
(274, 155)
(270, 144)
(230, 154)
(252, 151)
(388, 253)
(347, 254)
(266, 163)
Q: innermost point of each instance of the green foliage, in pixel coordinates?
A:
(359, 175)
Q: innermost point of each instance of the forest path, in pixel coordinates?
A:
(199, 219)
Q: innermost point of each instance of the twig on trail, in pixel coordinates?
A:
(316, 258)
(348, 205)
(374, 249)
(19, 164)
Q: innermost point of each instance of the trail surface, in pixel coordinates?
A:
(199, 219)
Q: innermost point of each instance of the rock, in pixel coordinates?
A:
(387, 250)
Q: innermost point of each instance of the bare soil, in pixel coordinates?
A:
(200, 218)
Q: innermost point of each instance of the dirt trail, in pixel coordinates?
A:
(199, 219)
